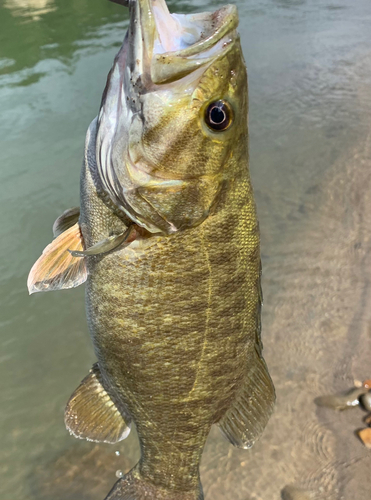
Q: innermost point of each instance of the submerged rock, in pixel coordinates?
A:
(366, 401)
(342, 401)
(291, 492)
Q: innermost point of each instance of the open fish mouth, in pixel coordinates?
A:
(166, 47)
(161, 53)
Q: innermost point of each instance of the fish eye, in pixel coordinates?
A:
(219, 116)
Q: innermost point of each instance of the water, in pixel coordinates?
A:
(309, 66)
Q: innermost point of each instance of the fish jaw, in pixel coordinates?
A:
(160, 65)
(165, 47)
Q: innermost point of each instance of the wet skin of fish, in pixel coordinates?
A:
(167, 241)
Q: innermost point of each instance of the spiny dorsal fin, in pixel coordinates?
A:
(91, 414)
(245, 421)
(66, 220)
(57, 269)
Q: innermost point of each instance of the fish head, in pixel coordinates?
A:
(173, 113)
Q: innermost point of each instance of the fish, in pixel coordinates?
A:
(166, 240)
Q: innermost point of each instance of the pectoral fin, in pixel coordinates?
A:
(91, 414)
(245, 421)
(109, 244)
(57, 269)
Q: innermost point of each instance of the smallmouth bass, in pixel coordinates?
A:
(167, 241)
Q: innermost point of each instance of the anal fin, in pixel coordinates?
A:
(246, 420)
(91, 414)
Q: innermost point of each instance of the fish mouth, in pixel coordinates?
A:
(166, 47)
(161, 51)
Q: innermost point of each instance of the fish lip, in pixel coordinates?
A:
(146, 31)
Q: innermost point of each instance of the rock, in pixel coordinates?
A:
(291, 492)
(365, 436)
(366, 401)
(341, 401)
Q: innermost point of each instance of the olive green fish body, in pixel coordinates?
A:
(174, 323)
(167, 241)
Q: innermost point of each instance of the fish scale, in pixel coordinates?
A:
(193, 334)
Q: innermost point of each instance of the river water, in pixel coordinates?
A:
(309, 64)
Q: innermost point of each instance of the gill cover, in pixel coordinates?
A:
(156, 158)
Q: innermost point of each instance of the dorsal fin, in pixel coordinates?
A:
(66, 220)
(57, 269)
